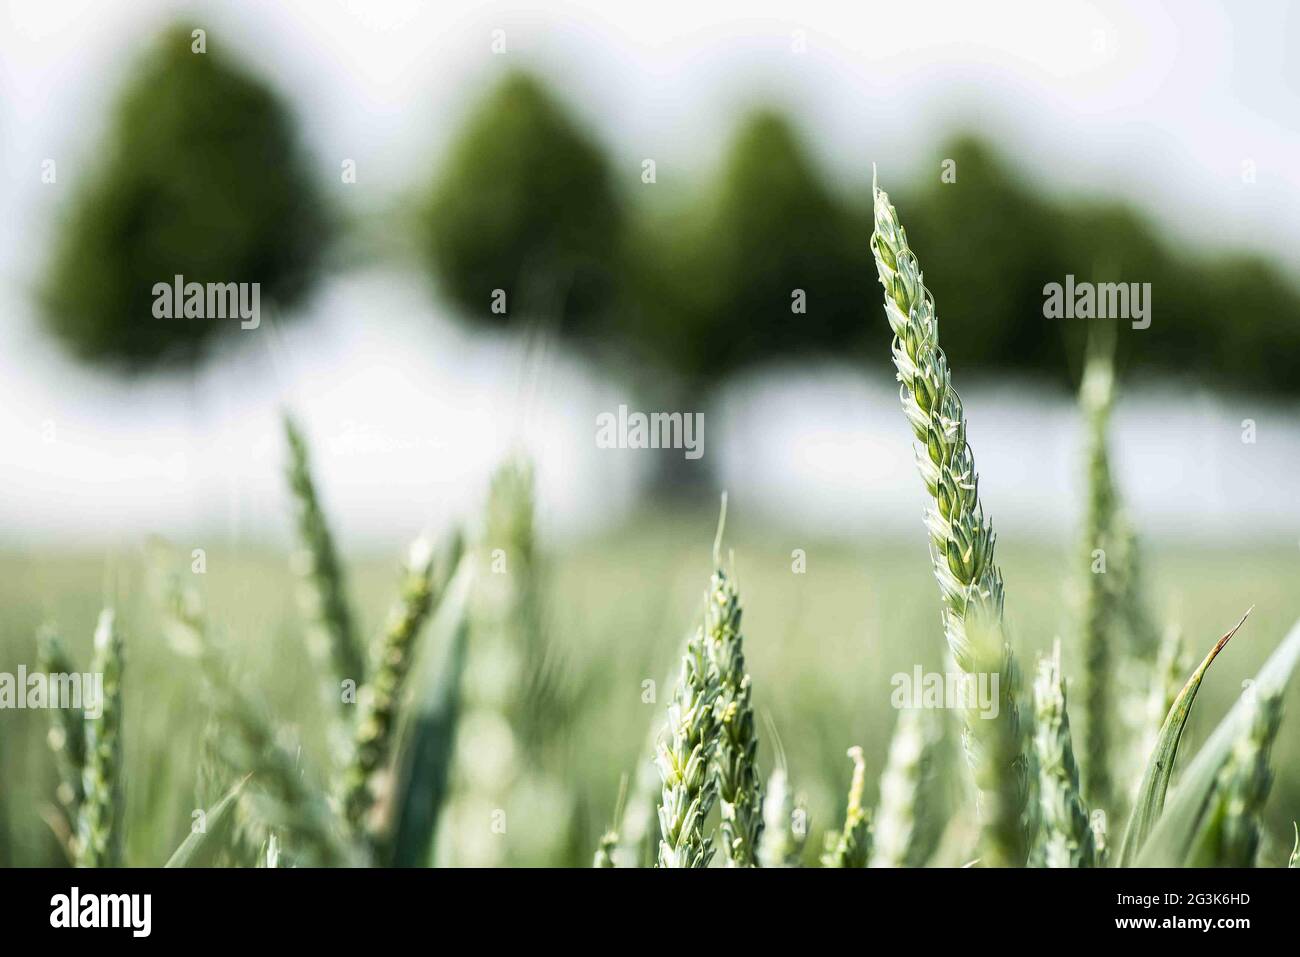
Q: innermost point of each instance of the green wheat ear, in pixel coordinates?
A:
(851, 847)
(67, 735)
(735, 762)
(1065, 830)
(424, 579)
(961, 541)
(99, 831)
(785, 823)
(1230, 830)
(906, 827)
(685, 756)
(333, 640)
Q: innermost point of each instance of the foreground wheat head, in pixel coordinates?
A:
(740, 793)
(961, 540)
(685, 758)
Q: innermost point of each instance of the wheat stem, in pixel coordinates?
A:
(1100, 612)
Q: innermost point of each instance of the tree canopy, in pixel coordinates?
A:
(202, 175)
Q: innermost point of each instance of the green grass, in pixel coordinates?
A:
(821, 648)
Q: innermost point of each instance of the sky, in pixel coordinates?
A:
(1159, 103)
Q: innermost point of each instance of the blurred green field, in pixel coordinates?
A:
(821, 647)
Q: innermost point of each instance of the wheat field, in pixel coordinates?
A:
(668, 695)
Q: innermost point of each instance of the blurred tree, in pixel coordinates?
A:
(775, 264)
(525, 204)
(770, 261)
(988, 243)
(991, 241)
(202, 176)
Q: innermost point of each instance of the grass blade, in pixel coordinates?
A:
(1174, 833)
(201, 848)
(1150, 800)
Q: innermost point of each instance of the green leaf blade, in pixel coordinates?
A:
(1175, 833)
(202, 847)
(1150, 801)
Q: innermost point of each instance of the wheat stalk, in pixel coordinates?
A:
(381, 697)
(961, 541)
(99, 829)
(1099, 611)
(905, 816)
(333, 639)
(1065, 831)
(851, 846)
(685, 754)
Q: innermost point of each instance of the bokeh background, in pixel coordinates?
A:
(648, 184)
